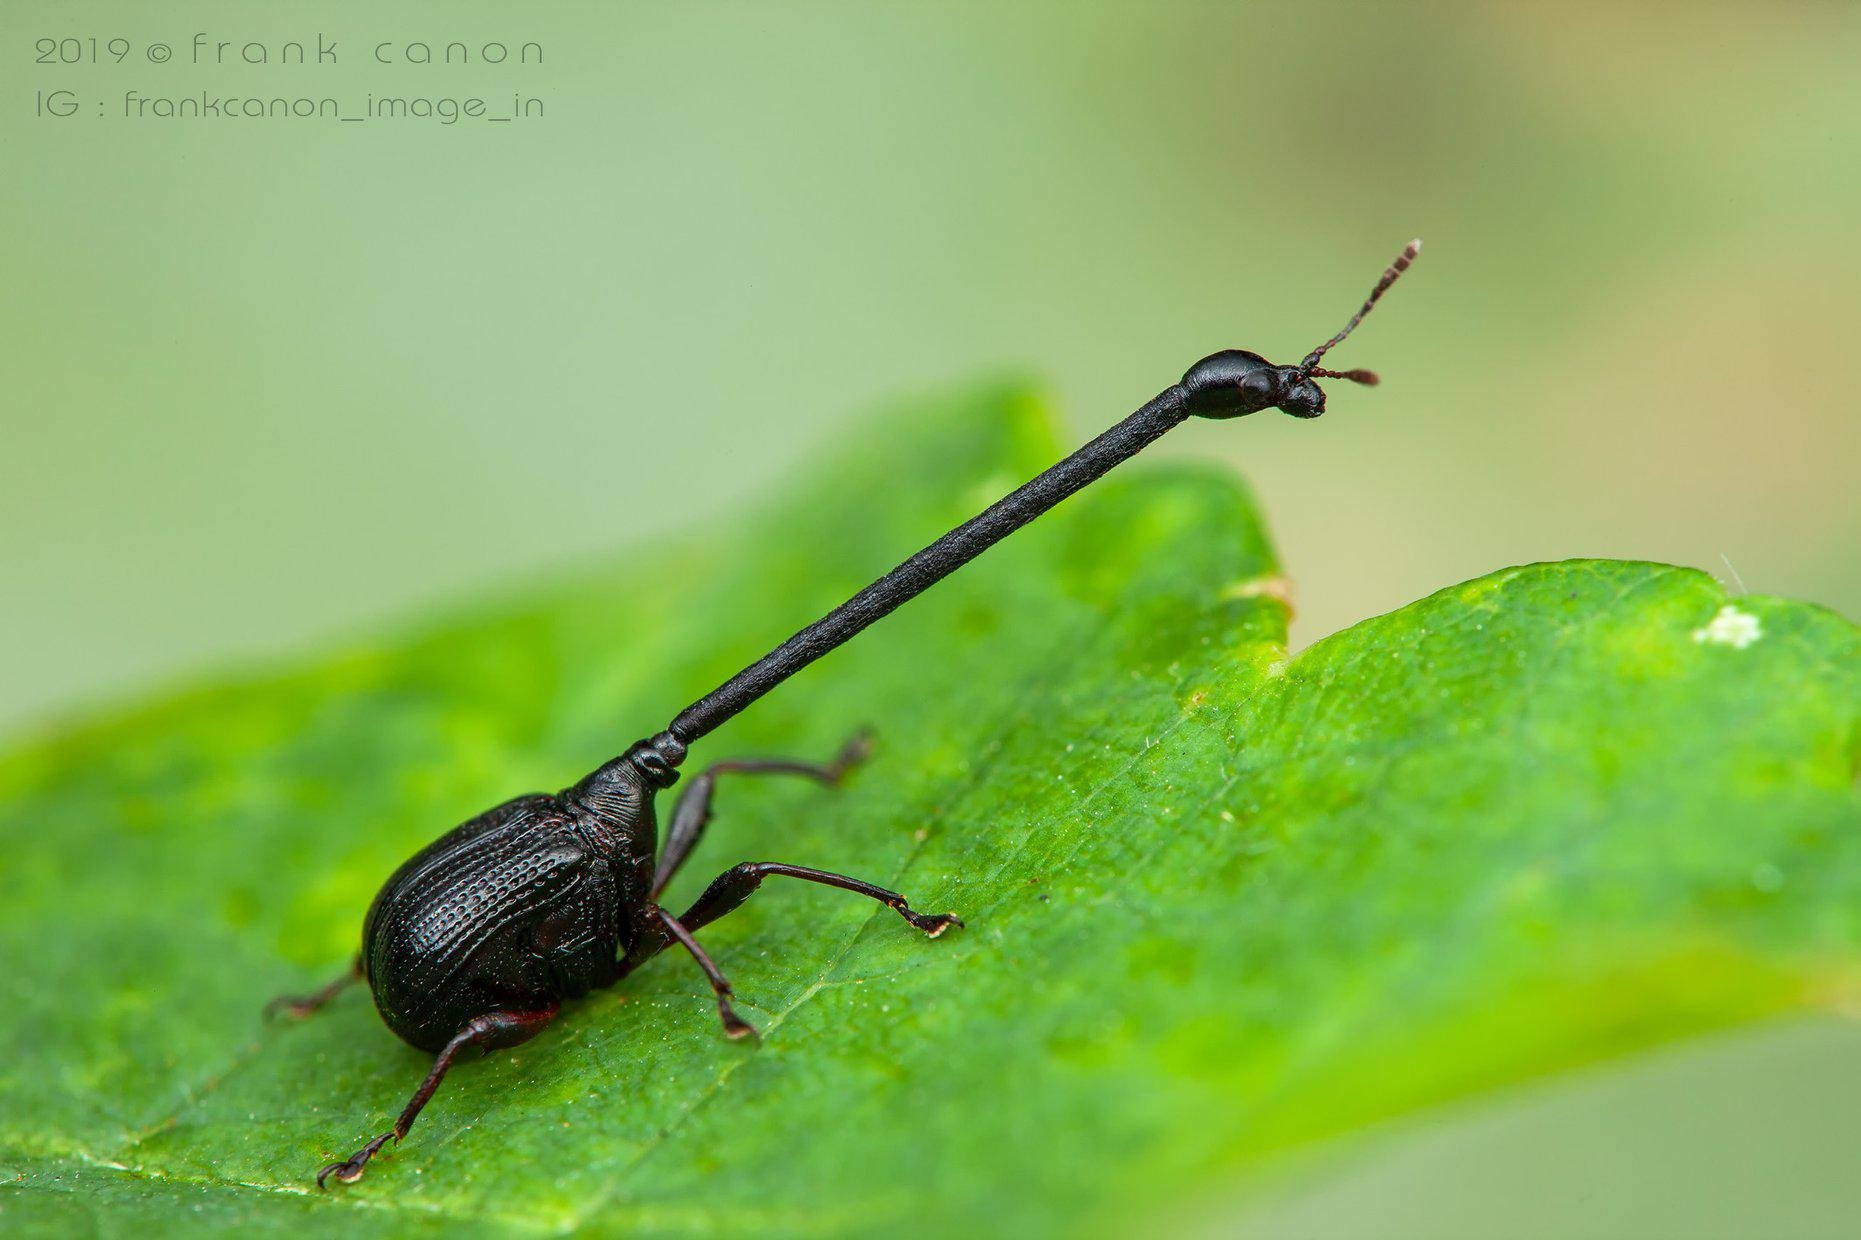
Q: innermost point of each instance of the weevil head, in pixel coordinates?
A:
(1302, 398)
(1235, 383)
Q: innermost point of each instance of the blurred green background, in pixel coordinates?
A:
(273, 380)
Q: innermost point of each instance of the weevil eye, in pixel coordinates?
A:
(1305, 400)
(1260, 389)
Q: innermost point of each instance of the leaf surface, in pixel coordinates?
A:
(1219, 901)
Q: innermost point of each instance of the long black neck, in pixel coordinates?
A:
(934, 563)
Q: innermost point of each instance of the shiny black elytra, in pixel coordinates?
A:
(482, 935)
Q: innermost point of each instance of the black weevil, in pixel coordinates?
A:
(482, 935)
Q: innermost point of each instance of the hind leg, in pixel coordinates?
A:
(299, 1006)
(490, 1031)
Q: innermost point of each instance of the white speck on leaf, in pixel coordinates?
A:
(1730, 627)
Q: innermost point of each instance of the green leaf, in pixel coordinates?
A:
(1219, 901)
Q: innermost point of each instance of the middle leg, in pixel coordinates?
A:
(734, 1026)
(732, 888)
(735, 885)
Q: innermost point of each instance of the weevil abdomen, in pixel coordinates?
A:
(512, 907)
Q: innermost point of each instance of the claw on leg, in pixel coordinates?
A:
(932, 924)
(735, 1027)
(294, 1006)
(857, 749)
(350, 1169)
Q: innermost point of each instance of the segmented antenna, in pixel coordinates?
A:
(1309, 366)
(1366, 377)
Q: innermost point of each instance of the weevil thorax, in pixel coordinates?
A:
(613, 804)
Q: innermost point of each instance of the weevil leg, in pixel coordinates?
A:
(490, 1031)
(734, 1026)
(299, 1006)
(693, 811)
(735, 885)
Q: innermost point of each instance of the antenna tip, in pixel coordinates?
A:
(1413, 248)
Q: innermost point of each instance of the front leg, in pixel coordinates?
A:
(692, 813)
